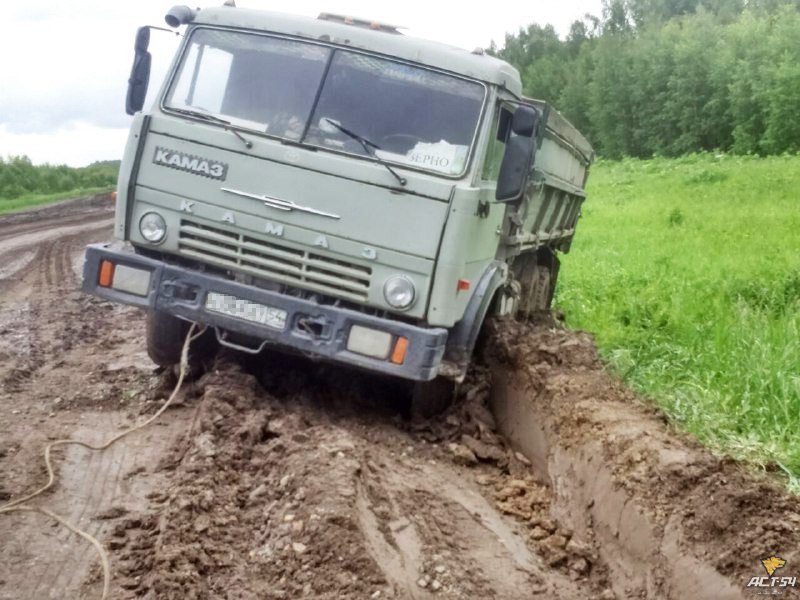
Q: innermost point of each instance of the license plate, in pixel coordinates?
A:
(244, 309)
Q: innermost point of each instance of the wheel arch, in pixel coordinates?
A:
(464, 334)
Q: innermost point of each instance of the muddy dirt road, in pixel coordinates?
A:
(284, 478)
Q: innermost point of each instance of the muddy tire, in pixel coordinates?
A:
(165, 336)
(537, 274)
(429, 398)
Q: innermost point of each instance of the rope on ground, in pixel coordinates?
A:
(21, 504)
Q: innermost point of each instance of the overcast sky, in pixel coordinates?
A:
(65, 63)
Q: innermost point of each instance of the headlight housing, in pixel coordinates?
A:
(399, 292)
(153, 227)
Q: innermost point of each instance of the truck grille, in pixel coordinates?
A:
(278, 262)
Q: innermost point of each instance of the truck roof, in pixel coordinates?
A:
(390, 43)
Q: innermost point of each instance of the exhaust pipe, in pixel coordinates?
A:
(179, 15)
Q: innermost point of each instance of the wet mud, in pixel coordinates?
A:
(280, 477)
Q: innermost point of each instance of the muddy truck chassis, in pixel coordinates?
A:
(331, 187)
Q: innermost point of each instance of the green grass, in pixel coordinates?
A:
(31, 200)
(688, 272)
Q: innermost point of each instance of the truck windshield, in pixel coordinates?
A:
(300, 91)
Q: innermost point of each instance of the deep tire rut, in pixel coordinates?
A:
(56, 382)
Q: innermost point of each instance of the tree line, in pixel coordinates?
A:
(20, 177)
(668, 77)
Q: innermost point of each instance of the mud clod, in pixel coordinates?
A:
(462, 454)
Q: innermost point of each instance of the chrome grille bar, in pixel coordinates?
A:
(275, 261)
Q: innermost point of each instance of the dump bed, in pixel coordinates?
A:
(557, 192)
(564, 154)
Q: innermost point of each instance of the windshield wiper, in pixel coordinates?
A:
(214, 119)
(366, 144)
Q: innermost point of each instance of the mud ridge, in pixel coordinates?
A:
(668, 519)
(66, 212)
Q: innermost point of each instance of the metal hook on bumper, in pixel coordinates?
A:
(224, 341)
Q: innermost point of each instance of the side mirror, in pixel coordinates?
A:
(140, 72)
(518, 158)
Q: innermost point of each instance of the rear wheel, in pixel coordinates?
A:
(429, 398)
(537, 274)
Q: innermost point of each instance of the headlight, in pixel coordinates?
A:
(399, 291)
(152, 227)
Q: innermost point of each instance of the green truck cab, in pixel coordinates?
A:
(332, 187)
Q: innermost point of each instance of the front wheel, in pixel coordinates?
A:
(165, 337)
(429, 398)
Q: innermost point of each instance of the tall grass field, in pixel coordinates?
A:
(688, 272)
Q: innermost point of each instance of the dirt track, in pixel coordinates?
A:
(282, 478)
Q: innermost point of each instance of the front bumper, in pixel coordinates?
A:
(182, 292)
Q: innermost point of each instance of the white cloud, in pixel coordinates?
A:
(65, 65)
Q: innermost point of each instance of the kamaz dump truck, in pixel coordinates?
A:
(335, 188)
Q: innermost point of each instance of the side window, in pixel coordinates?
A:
(203, 88)
(497, 145)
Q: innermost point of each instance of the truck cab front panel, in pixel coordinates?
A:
(331, 189)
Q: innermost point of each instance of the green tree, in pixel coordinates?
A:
(610, 104)
(698, 113)
(672, 76)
